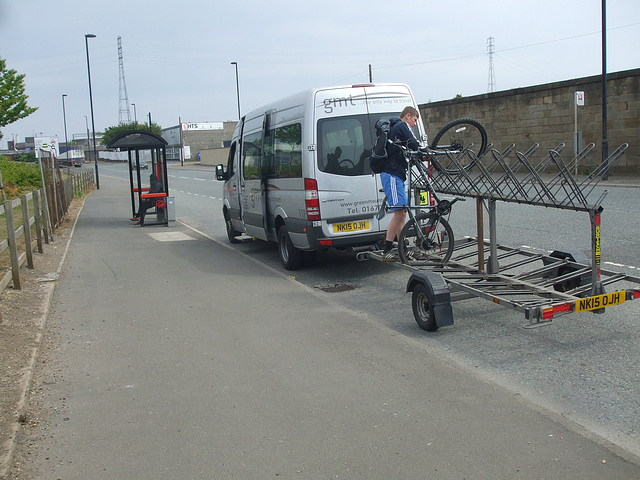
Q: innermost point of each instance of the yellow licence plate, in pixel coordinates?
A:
(601, 301)
(350, 226)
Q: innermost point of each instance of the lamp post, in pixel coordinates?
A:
(605, 140)
(86, 122)
(135, 115)
(93, 124)
(237, 88)
(64, 116)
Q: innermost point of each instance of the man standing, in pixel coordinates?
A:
(394, 175)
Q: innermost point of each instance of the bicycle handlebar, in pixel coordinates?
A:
(422, 150)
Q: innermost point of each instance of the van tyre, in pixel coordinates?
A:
(231, 232)
(290, 256)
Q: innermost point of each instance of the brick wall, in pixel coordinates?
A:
(544, 114)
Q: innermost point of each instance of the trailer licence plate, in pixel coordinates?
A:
(601, 301)
(350, 226)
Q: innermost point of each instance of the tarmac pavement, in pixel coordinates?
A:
(180, 357)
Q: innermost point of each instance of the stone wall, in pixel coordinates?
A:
(214, 156)
(544, 114)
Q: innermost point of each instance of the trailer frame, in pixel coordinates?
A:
(542, 286)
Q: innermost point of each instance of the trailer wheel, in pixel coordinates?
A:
(423, 309)
(290, 256)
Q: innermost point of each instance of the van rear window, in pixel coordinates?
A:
(344, 143)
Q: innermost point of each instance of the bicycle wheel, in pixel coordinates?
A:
(435, 245)
(455, 137)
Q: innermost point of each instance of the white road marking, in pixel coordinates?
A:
(170, 236)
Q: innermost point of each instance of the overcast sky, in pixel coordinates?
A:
(177, 54)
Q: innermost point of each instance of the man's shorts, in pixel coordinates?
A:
(394, 189)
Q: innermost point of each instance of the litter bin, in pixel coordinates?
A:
(171, 211)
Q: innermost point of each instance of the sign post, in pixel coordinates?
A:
(577, 135)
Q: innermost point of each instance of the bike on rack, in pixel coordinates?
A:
(451, 142)
(427, 237)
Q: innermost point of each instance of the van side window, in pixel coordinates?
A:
(267, 154)
(287, 151)
(251, 148)
(344, 143)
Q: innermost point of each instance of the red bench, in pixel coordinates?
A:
(159, 203)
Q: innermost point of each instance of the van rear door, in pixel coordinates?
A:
(349, 194)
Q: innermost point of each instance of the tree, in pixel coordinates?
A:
(13, 100)
(112, 132)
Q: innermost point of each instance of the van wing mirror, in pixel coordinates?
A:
(220, 173)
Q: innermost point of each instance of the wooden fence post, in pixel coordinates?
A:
(13, 248)
(45, 213)
(38, 220)
(68, 193)
(26, 225)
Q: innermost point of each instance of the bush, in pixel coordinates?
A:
(23, 177)
(26, 157)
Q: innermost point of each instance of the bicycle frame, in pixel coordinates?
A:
(419, 183)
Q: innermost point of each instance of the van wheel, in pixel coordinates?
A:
(290, 256)
(231, 232)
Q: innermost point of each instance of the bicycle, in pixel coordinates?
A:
(426, 238)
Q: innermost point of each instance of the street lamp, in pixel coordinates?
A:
(135, 115)
(64, 116)
(237, 88)
(93, 124)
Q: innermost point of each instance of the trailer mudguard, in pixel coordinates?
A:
(572, 255)
(438, 294)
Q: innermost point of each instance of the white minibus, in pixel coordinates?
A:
(298, 170)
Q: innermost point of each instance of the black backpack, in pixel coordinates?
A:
(379, 154)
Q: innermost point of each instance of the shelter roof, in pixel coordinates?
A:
(137, 140)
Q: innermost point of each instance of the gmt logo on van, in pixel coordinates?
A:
(330, 104)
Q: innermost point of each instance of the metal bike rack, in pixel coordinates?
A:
(540, 286)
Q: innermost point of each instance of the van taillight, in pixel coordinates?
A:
(311, 200)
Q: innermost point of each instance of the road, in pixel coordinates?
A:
(583, 366)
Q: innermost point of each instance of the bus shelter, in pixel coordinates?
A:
(150, 201)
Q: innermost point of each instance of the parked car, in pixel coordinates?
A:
(143, 165)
